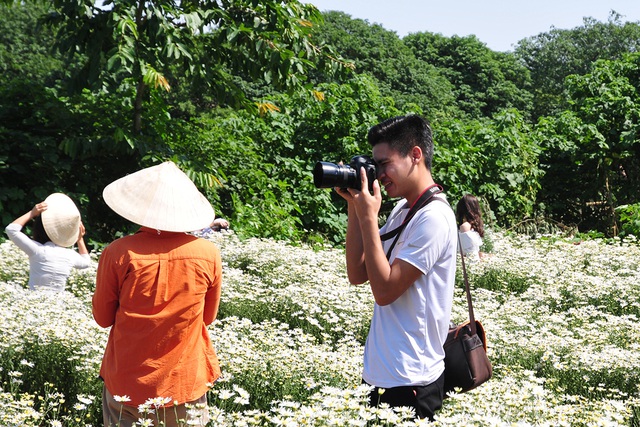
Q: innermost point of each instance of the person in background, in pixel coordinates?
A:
(217, 225)
(471, 227)
(56, 227)
(413, 288)
(158, 290)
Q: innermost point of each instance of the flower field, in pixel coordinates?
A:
(561, 317)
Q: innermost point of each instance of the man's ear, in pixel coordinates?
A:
(416, 153)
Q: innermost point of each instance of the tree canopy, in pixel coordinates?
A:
(554, 55)
(396, 70)
(485, 82)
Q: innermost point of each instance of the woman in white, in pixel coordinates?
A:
(56, 227)
(471, 228)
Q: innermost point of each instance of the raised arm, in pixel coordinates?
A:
(14, 230)
(36, 211)
(354, 248)
(82, 247)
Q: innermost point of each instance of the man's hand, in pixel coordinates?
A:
(362, 226)
(367, 205)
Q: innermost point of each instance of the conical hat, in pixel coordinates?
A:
(160, 197)
(61, 220)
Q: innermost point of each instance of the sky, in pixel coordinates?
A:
(500, 24)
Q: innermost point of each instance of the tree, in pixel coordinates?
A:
(144, 44)
(383, 55)
(497, 160)
(25, 48)
(484, 81)
(266, 162)
(552, 56)
(592, 151)
(116, 115)
(35, 122)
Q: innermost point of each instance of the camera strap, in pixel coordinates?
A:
(424, 199)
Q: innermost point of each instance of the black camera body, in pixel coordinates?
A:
(329, 175)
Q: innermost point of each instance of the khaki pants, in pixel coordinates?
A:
(117, 414)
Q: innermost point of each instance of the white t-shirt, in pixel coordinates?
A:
(49, 264)
(470, 242)
(404, 345)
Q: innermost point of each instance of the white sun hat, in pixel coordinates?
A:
(61, 220)
(161, 197)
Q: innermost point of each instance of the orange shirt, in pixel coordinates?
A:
(158, 292)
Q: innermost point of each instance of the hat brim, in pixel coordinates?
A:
(160, 197)
(61, 220)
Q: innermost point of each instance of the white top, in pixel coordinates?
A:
(404, 345)
(49, 264)
(470, 242)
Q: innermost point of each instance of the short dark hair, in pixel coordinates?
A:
(402, 133)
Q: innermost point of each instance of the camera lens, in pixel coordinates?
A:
(328, 175)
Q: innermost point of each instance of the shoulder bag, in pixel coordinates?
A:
(466, 364)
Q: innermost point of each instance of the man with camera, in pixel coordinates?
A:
(409, 263)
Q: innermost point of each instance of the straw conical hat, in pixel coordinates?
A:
(161, 197)
(61, 220)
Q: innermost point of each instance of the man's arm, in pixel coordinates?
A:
(388, 282)
(356, 270)
(354, 248)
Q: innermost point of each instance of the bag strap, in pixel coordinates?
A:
(423, 200)
(472, 318)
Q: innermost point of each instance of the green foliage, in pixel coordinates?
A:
(29, 139)
(48, 369)
(264, 162)
(501, 281)
(635, 418)
(554, 55)
(127, 70)
(495, 160)
(574, 382)
(157, 44)
(483, 82)
(25, 52)
(510, 167)
(394, 67)
(629, 219)
(252, 194)
(50, 142)
(246, 97)
(32, 118)
(591, 151)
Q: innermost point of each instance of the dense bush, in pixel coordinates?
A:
(629, 219)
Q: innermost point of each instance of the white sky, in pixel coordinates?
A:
(498, 23)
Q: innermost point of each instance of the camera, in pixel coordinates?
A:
(329, 175)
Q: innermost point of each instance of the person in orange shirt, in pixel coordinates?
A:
(158, 290)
